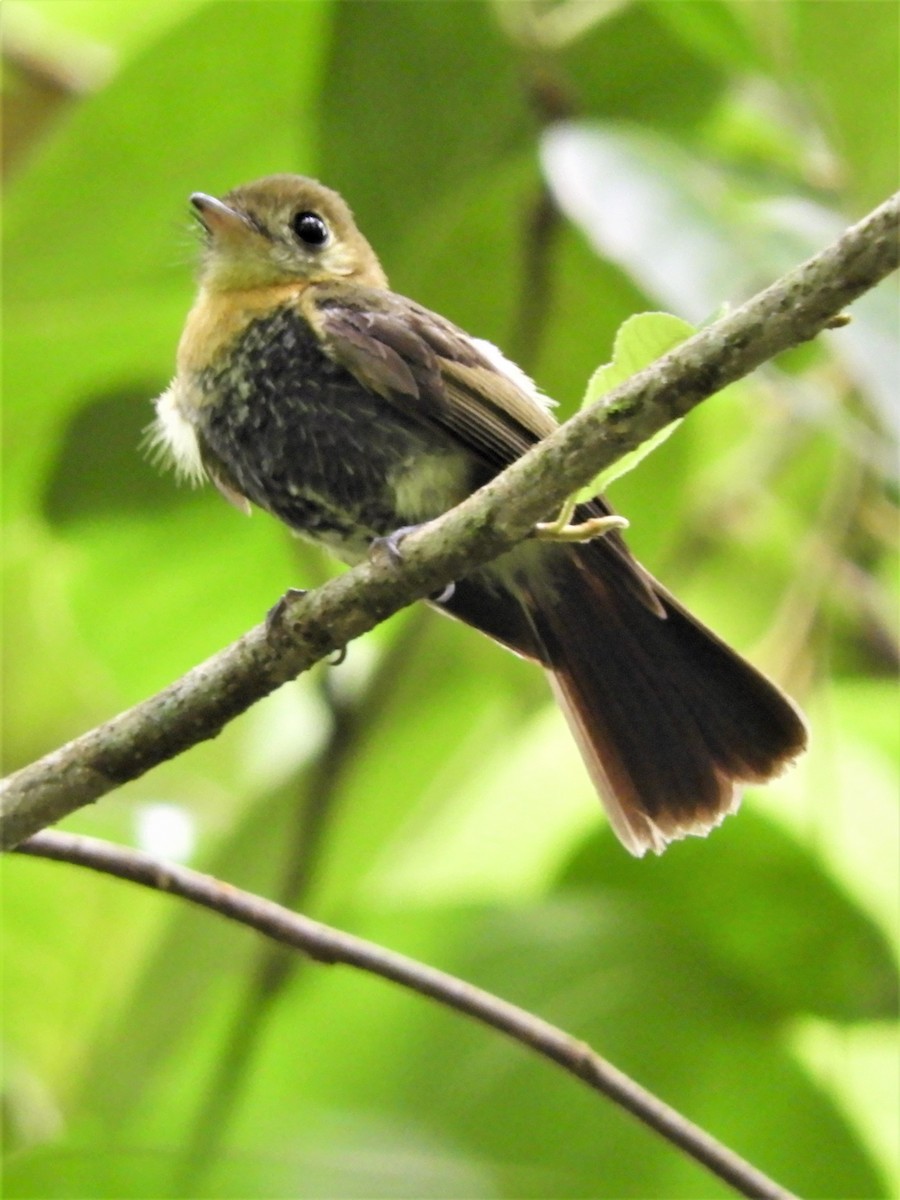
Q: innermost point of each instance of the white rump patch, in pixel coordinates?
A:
(513, 372)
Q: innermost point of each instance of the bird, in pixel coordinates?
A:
(305, 386)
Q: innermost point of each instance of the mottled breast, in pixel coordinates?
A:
(282, 424)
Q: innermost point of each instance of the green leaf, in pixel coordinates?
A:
(695, 234)
(713, 29)
(399, 133)
(641, 340)
(637, 67)
(847, 53)
(124, 28)
(736, 895)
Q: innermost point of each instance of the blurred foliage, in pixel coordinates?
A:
(425, 793)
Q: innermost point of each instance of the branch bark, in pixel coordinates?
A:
(328, 945)
(197, 706)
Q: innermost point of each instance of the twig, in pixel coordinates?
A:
(543, 222)
(552, 99)
(328, 945)
(504, 512)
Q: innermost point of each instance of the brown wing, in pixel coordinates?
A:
(440, 375)
(433, 370)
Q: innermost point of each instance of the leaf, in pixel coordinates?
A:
(765, 911)
(395, 141)
(714, 30)
(638, 67)
(834, 47)
(651, 207)
(640, 340)
(694, 236)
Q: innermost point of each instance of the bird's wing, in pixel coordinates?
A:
(428, 366)
(438, 374)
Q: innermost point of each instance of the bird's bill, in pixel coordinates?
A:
(217, 218)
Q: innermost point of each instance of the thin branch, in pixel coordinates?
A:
(328, 945)
(273, 967)
(551, 98)
(541, 227)
(504, 512)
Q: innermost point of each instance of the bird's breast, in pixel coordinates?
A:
(281, 423)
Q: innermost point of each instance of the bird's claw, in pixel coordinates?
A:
(391, 543)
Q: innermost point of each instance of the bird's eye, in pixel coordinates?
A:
(310, 228)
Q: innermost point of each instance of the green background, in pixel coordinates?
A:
(425, 793)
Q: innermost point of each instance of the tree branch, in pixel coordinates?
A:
(328, 945)
(274, 968)
(791, 311)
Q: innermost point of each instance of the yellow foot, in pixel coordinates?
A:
(584, 531)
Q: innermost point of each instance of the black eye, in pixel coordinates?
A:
(310, 228)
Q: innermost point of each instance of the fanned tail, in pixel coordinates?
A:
(669, 719)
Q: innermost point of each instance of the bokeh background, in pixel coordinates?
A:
(537, 172)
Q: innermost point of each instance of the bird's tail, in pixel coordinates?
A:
(669, 719)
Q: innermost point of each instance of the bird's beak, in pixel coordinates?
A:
(217, 218)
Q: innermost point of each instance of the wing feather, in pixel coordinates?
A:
(432, 369)
(439, 375)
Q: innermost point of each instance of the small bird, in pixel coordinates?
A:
(307, 387)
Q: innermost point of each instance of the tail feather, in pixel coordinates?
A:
(669, 719)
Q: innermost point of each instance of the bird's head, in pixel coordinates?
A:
(282, 229)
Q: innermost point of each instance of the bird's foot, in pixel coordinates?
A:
(560, 530)
(390, 545)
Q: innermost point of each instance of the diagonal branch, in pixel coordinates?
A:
(273, 968)
(328, 945)
(197, 706)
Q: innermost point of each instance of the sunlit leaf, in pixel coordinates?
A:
(640, 341)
